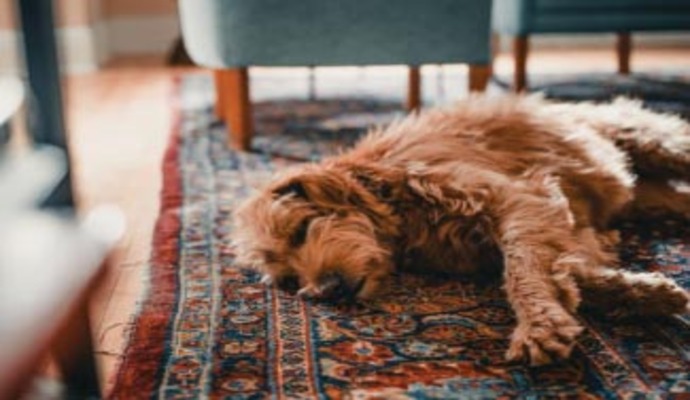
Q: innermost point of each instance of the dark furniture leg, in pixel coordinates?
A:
(219, 78)
(75, 357)
(43, 71)
(4, 134)
(520, 50)
(77, 362)
(479, 77)
(623, 49)
(414, 89)
(233, 93)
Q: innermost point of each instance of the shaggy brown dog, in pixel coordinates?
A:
(516, 183)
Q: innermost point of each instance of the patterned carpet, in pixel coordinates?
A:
(669, 93)
(209, 329)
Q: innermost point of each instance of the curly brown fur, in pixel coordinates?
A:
(516, 183)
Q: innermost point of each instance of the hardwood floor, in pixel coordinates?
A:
(119, 121)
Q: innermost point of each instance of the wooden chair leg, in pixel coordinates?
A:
(233, 94)
(520, 50)
(479, 77)
(623, 48)
(219, 78)
(414, 89)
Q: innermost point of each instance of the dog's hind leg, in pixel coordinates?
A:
(657, 154)
(657, 144)
(625, 293)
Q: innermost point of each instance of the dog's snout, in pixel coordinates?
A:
(336, 286)
(333, 285)
(288, 283)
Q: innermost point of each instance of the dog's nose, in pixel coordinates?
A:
(336, 286)
(333, 285)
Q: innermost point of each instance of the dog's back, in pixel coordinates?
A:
(588, 147)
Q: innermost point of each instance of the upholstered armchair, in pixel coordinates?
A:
(522, 18)
(232, 35)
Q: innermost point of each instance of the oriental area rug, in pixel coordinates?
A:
(209, 329)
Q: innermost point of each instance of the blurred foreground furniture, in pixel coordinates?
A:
(50, 265)
(522, 18)
(50, 260)
(232, 35)
(12, 97)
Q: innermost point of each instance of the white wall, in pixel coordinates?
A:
(85, 48)
(111, 29)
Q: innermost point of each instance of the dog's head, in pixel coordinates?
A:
(319, 229)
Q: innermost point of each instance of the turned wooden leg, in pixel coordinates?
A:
(414, 89)
(520, 50)
(232, 86)
(219, 78)
(623, 47)
(479, 77)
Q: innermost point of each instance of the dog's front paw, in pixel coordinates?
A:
(545, 341)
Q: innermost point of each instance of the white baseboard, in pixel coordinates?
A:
(9, 53)
(79, 50)
(86, 48)
(142, 35)
(102, 45)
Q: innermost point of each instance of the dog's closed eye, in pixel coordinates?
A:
(299, 236)
(294, 188)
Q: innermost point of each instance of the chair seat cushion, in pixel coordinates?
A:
(317, 32)
(553, 16)
(621, 6)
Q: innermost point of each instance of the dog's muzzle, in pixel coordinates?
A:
(334, 286)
